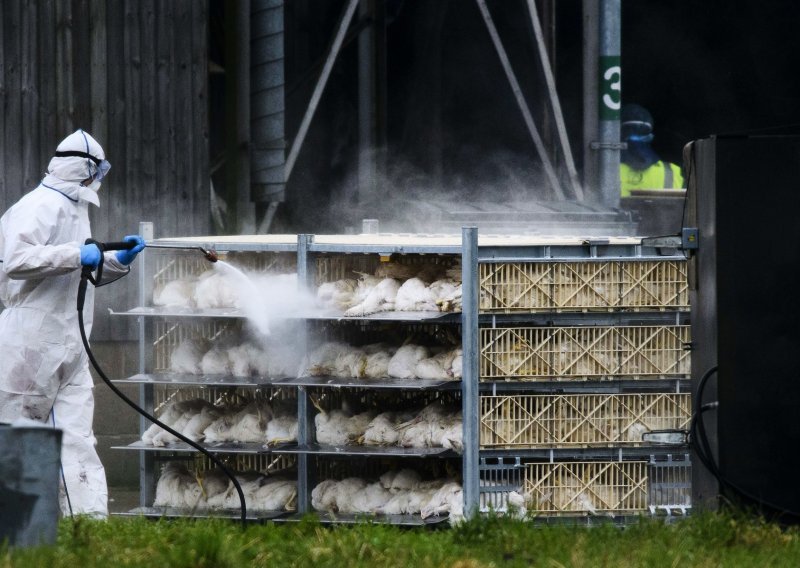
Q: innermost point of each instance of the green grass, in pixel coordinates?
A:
(702, 540)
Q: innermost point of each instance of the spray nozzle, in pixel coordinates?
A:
(210, 254)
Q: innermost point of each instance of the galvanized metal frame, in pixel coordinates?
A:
(471, 387)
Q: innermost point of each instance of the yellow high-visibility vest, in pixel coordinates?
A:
(656, 176)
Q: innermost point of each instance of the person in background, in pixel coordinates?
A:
(44, 370)
(640, 166)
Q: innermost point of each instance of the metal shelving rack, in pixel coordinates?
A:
(475, 461)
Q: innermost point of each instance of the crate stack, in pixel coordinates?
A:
(582, 350)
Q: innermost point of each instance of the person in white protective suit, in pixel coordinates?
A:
(44, 370)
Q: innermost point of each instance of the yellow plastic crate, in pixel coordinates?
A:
(586, 487)
(579, 420)
(583, 286)
(599, 352)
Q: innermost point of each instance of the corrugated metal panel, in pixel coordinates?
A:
(132, 73)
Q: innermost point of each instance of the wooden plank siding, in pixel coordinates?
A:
(133, 73)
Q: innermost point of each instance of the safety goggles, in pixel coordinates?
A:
(102, 166)
(637, 127)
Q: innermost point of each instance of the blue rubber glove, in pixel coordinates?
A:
(90, 255)
(126, 256)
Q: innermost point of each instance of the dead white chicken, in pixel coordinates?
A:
(215, 290)
(209, 487)
(380, 298)
(383, 429)
(377, 365)
(634, 432)
(438, 367)
(323, 496)
(176, 293)
(250, 423)
(349, 362)
(172, 484)
(221, 430)
(367, 500)
(408, 502)
(457, 367)
(281, 429)
(453, 434)
(169, 414)
(402, 480)
(404, 362)
(346, 490)
(186, 357)
(448, 499)
(275, 495)
(338, 294)
(427, 428)
(250, 482)
(331, 428)
(189, 409)
(216, 361)
(243, 359)
(447, 294)
(415, 296)
(195, 427)
(320, 361)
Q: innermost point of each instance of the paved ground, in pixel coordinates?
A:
(122, 499)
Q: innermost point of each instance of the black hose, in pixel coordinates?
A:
(85, 277)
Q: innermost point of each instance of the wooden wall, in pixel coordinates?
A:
(134, 74)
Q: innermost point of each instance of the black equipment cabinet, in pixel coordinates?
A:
(745, 198)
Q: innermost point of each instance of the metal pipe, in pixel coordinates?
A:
(146, 399)
(304, 427)
(371, 97)
(591, 43)
(555, 103)
(267, 101)
(523, 106)
(470, 379)
(610, 102)
(347, 17)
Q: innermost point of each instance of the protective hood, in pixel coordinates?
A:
(76, 168)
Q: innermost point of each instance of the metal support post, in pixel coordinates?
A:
(146, 461)
(523, 106)
(610, 102)
(470, 378)
(555, 104)
(344, 23)
(304, 429)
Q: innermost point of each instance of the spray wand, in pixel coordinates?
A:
(86, 277)
(211, 255)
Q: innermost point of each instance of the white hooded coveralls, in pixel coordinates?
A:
(44, 370)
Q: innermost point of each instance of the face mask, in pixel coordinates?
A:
(95, 185)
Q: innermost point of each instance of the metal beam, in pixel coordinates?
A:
(470, 380)
(610, 101)
(523, 106)
(344, 23)
(555, 104)
(591, 46)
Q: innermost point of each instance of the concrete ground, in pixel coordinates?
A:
(122, 499)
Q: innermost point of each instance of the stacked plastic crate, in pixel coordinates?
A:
(582, 351)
